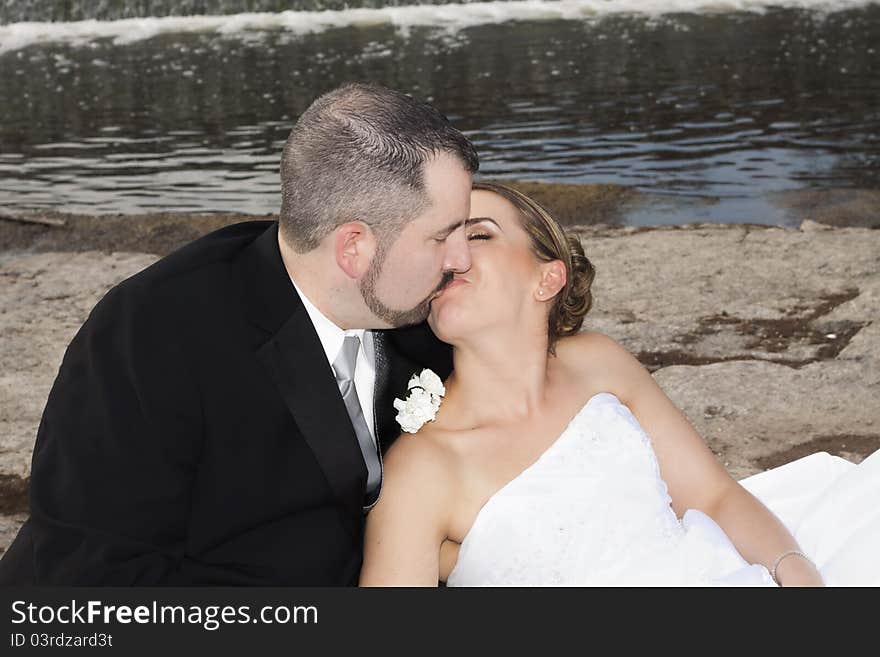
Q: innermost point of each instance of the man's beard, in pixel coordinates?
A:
(395, 318)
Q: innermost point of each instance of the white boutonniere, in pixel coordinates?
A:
(422, 402)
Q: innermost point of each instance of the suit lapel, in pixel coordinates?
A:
(295, 360)
(298, 366)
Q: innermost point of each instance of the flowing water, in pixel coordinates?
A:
(715, 110)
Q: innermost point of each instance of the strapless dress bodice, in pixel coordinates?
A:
(593, 510)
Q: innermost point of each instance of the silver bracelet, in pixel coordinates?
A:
(781, 557)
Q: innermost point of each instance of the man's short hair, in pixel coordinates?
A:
(359, 153)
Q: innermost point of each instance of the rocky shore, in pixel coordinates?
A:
(767, 338)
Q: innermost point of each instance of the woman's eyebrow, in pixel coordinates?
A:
(476, 220)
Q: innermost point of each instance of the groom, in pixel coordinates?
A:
(219, 418)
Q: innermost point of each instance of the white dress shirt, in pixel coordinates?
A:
(332, 337)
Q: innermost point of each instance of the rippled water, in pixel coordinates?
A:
(724, 107)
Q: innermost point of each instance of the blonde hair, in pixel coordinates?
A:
(550, 242)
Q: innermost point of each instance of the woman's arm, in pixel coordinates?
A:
(760, 536)
(693, 475)
(407, 526)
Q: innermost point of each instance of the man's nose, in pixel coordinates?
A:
(458, 253)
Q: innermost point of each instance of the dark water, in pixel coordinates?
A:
(725, 110)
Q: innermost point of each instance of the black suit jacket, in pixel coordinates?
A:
(195, 434)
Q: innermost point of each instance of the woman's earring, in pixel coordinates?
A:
(540, 292)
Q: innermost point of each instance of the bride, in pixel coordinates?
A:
(556, 459)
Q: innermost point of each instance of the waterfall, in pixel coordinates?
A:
(16, 11)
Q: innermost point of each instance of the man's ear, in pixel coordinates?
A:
(354, 246)
(553, 278)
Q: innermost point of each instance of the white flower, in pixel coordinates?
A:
(422, 402)
(429, 382)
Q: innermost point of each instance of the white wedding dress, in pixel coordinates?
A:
(594, 511)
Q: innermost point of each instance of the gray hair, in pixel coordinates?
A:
(359, 152)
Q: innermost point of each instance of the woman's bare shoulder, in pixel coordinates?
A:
(603, 361)
(585, 341)
(421, 460)
(425, 444)
(590, 347)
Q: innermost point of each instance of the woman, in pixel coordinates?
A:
(555, 458)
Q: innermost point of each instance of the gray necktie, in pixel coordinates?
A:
(343, 367)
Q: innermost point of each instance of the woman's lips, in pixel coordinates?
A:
(456, 282)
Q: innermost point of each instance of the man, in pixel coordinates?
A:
(206, 424)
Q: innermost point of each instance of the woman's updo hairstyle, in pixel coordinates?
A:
(550, 242)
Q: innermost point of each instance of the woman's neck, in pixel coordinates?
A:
(498, 380)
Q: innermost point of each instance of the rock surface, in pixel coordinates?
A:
(766, 338)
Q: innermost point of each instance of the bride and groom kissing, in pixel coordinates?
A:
(233, 414)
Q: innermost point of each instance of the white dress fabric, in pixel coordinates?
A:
(594, 511)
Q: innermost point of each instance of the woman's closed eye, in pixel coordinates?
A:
(479, 236)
